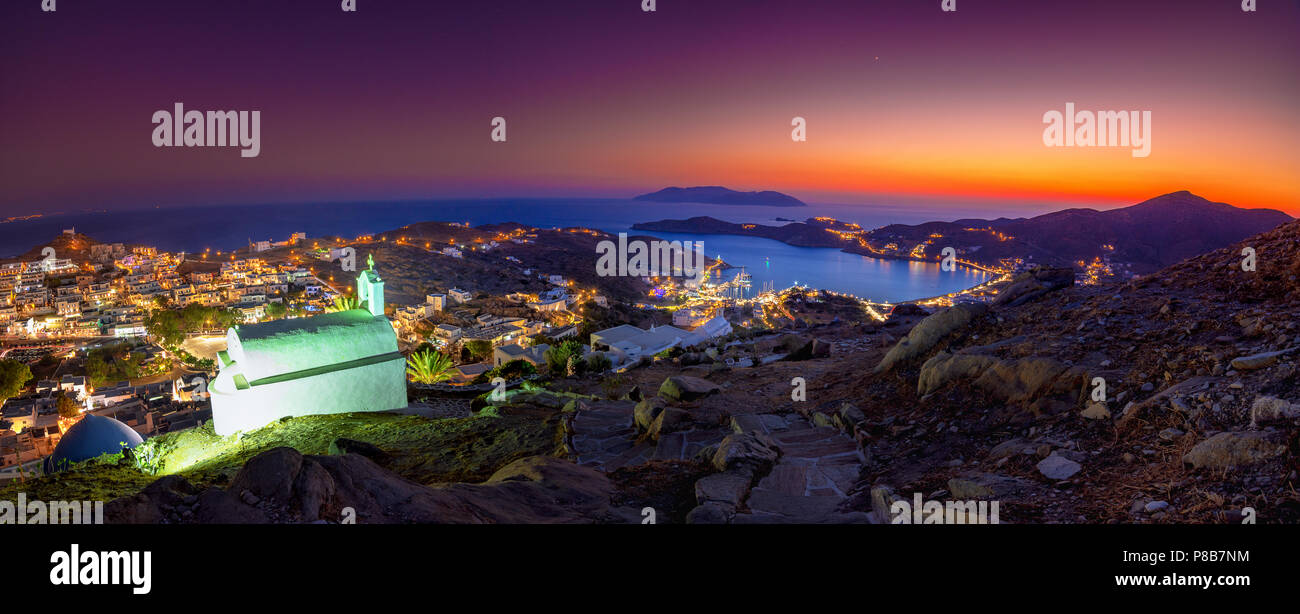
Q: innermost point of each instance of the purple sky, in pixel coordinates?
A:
(904, 102)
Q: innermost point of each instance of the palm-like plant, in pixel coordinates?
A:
(428, 367)
(345, 303)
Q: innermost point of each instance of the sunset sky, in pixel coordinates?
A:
(904, 103)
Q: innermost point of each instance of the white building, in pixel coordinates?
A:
(626, 344)
(689, 317)
(506, 353)
(717, 326)
(556, 304)
(437, 302)
(459, 296)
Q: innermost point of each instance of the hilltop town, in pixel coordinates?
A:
(131, 332)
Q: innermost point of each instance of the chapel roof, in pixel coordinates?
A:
(285, 346)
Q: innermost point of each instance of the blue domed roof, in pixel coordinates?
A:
(90, 437)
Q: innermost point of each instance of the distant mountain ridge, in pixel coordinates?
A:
(1147, 236)
(718, 195)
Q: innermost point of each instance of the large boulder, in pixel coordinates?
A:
(1018, 381)
(679, 388)
(646, 411)
(929, 332)
(307, 488)
(745, 451)
(269, 475)
(169, 497)
(943, 368)
(1026, 379)
(669, 420)
(1234, 449)
(216, 506)
(1033, 284)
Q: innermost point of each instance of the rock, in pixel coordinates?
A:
(943, 368)
(1096, 411)
(745, 451)
(820, 419)
(796, 347)
(1270, 409)
(708, 513)
(351, 446)
(1171, 434)
(312, 490)
(1030, 285)
(669, 420)
(1027, 379)
(269, 475)
(1233, 449)
(646, 411)
(1156, 506)
(217, 506)
(537, 489)
(171, 490)
(928, 332)
(728, 488)
(1015, 381)
(1007, 449)
(1259, 361)
(851, 415)
(1056, 467)
(882, 498)
(133, 509)
(635, 394)
(680, 388)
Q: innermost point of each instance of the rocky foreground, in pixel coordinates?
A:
(1171, 398)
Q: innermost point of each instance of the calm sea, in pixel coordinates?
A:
(224, 227)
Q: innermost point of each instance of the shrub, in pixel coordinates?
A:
(557, 358)
(510, 370)
(599, 363)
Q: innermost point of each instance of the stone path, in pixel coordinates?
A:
(817, 468)
(603, 436)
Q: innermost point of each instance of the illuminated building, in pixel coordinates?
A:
(332, 363)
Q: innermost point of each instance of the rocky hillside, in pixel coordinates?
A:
(1148, 236)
